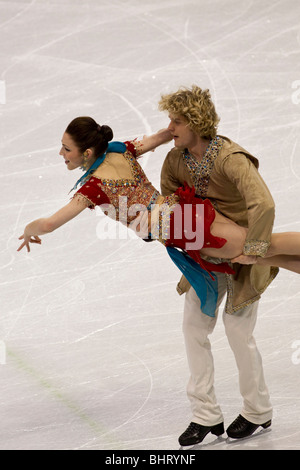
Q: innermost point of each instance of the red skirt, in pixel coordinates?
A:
(180, 237)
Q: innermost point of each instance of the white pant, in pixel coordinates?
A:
(239, 330)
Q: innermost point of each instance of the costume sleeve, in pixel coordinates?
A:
(134, 147)
(92, 193)
(259, 202)
(169, 182)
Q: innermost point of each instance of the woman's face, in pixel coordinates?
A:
(71, 153)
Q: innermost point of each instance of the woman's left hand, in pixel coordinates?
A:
(28, 240)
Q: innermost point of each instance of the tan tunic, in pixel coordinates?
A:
(229, 177)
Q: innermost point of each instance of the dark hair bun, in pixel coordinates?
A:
(87, 134)
(107, 133)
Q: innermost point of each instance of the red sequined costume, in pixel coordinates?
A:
(141, 194)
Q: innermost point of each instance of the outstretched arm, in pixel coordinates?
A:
(150, 142)
(49, 224)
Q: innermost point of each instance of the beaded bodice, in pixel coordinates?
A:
(128, 196)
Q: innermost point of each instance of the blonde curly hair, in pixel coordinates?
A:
(196, 106)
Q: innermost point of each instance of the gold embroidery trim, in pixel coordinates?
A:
(88, 202)
(229, 308)
(256, 247)
(200, 171)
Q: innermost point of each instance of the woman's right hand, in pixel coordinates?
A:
(27, 241)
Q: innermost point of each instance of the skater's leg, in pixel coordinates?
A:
(285, 243)
(291, 263)
(240, 330)
(196, 328)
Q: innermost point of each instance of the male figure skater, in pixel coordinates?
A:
(227, 174)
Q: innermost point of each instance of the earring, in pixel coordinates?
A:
(84, 165)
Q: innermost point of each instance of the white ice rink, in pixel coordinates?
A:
(91, 348)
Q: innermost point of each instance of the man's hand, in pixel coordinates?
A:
(244, 259)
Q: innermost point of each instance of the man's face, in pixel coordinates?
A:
(182, 134)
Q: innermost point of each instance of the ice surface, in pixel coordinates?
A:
(91, 348)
